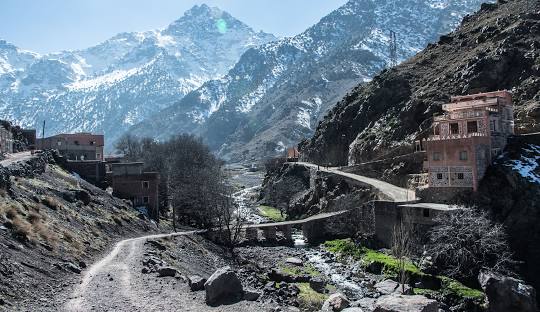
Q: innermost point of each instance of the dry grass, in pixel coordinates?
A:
(51, 202)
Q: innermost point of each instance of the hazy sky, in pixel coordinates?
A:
(53, 25)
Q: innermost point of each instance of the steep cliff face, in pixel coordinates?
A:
(510, 191)
(496, 48)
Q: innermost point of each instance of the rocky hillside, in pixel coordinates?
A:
(276, 94)
(111, 86)
(496, 48)
(52, 225)
(510, 191)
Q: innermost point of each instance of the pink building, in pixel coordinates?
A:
(472, 132)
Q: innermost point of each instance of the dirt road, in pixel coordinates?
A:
(115, 283)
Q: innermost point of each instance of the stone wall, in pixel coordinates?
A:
(28, 168)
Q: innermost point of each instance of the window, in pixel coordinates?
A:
(76, 142)
(426, 213)
(145, 199)
(59, 143)
(463, 155)
(493, 125)
(437, 156)
(439, 176)
(98, 156)
(454, 128)
(146, 185)
(437, 129)
(92, 142)
(472, 126)
(460, 176)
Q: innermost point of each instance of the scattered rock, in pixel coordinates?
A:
(223, 285)
(145, 270)
(506, 293)
(336, 302)
(251, 295)
(402, 303)
(317, 284)
(157, 245)
(367, 304)
(166, 272)
(196, 282)
(83, 196)
(82, 264)
(388, 287)
(3, 228)
(294, 261)
(111, 279)
(72, 267)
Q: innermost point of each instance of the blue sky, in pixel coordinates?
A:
(52, 25)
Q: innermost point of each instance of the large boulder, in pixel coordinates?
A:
(402, 303)
(167, 272)
(388, 287)
(507, 293)
(223, 287)
(196, 282)
(335, 303)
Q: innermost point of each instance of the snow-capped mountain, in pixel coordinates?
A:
(275, 95)
(111, 86)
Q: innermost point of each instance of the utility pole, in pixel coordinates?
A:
(43, 135)
(393, 49)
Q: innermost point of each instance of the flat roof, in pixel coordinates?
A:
(434, 206)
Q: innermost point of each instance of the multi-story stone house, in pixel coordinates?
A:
(473, 130)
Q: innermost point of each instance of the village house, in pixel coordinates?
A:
(473, 130)
(76, 146)
(129, 181)
(293, 154)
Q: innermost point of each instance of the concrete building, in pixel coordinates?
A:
(473, 130)
(129, 181)
(293, 154)
(76, 146)
(6, 140)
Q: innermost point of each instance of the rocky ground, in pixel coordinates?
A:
(52, 226)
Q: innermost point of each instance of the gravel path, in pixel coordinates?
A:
(116, 283)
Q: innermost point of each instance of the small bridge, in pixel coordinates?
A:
(378, 216)
(316, 227)
(308, 225)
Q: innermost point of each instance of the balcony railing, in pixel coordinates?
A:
(456, 136)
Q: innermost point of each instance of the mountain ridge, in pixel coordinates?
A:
(107, 82)
(277, 92)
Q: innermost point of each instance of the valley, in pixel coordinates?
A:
(385, 159)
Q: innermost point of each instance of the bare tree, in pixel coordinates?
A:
(402, 249)
(466, 242)
(230, 218)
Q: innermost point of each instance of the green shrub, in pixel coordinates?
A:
(272, 213)
(309, 299)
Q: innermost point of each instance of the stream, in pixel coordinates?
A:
(349, 279)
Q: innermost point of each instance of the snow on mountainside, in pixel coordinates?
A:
(111, 86)
(276, 94)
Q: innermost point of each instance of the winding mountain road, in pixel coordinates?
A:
(392, 192)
